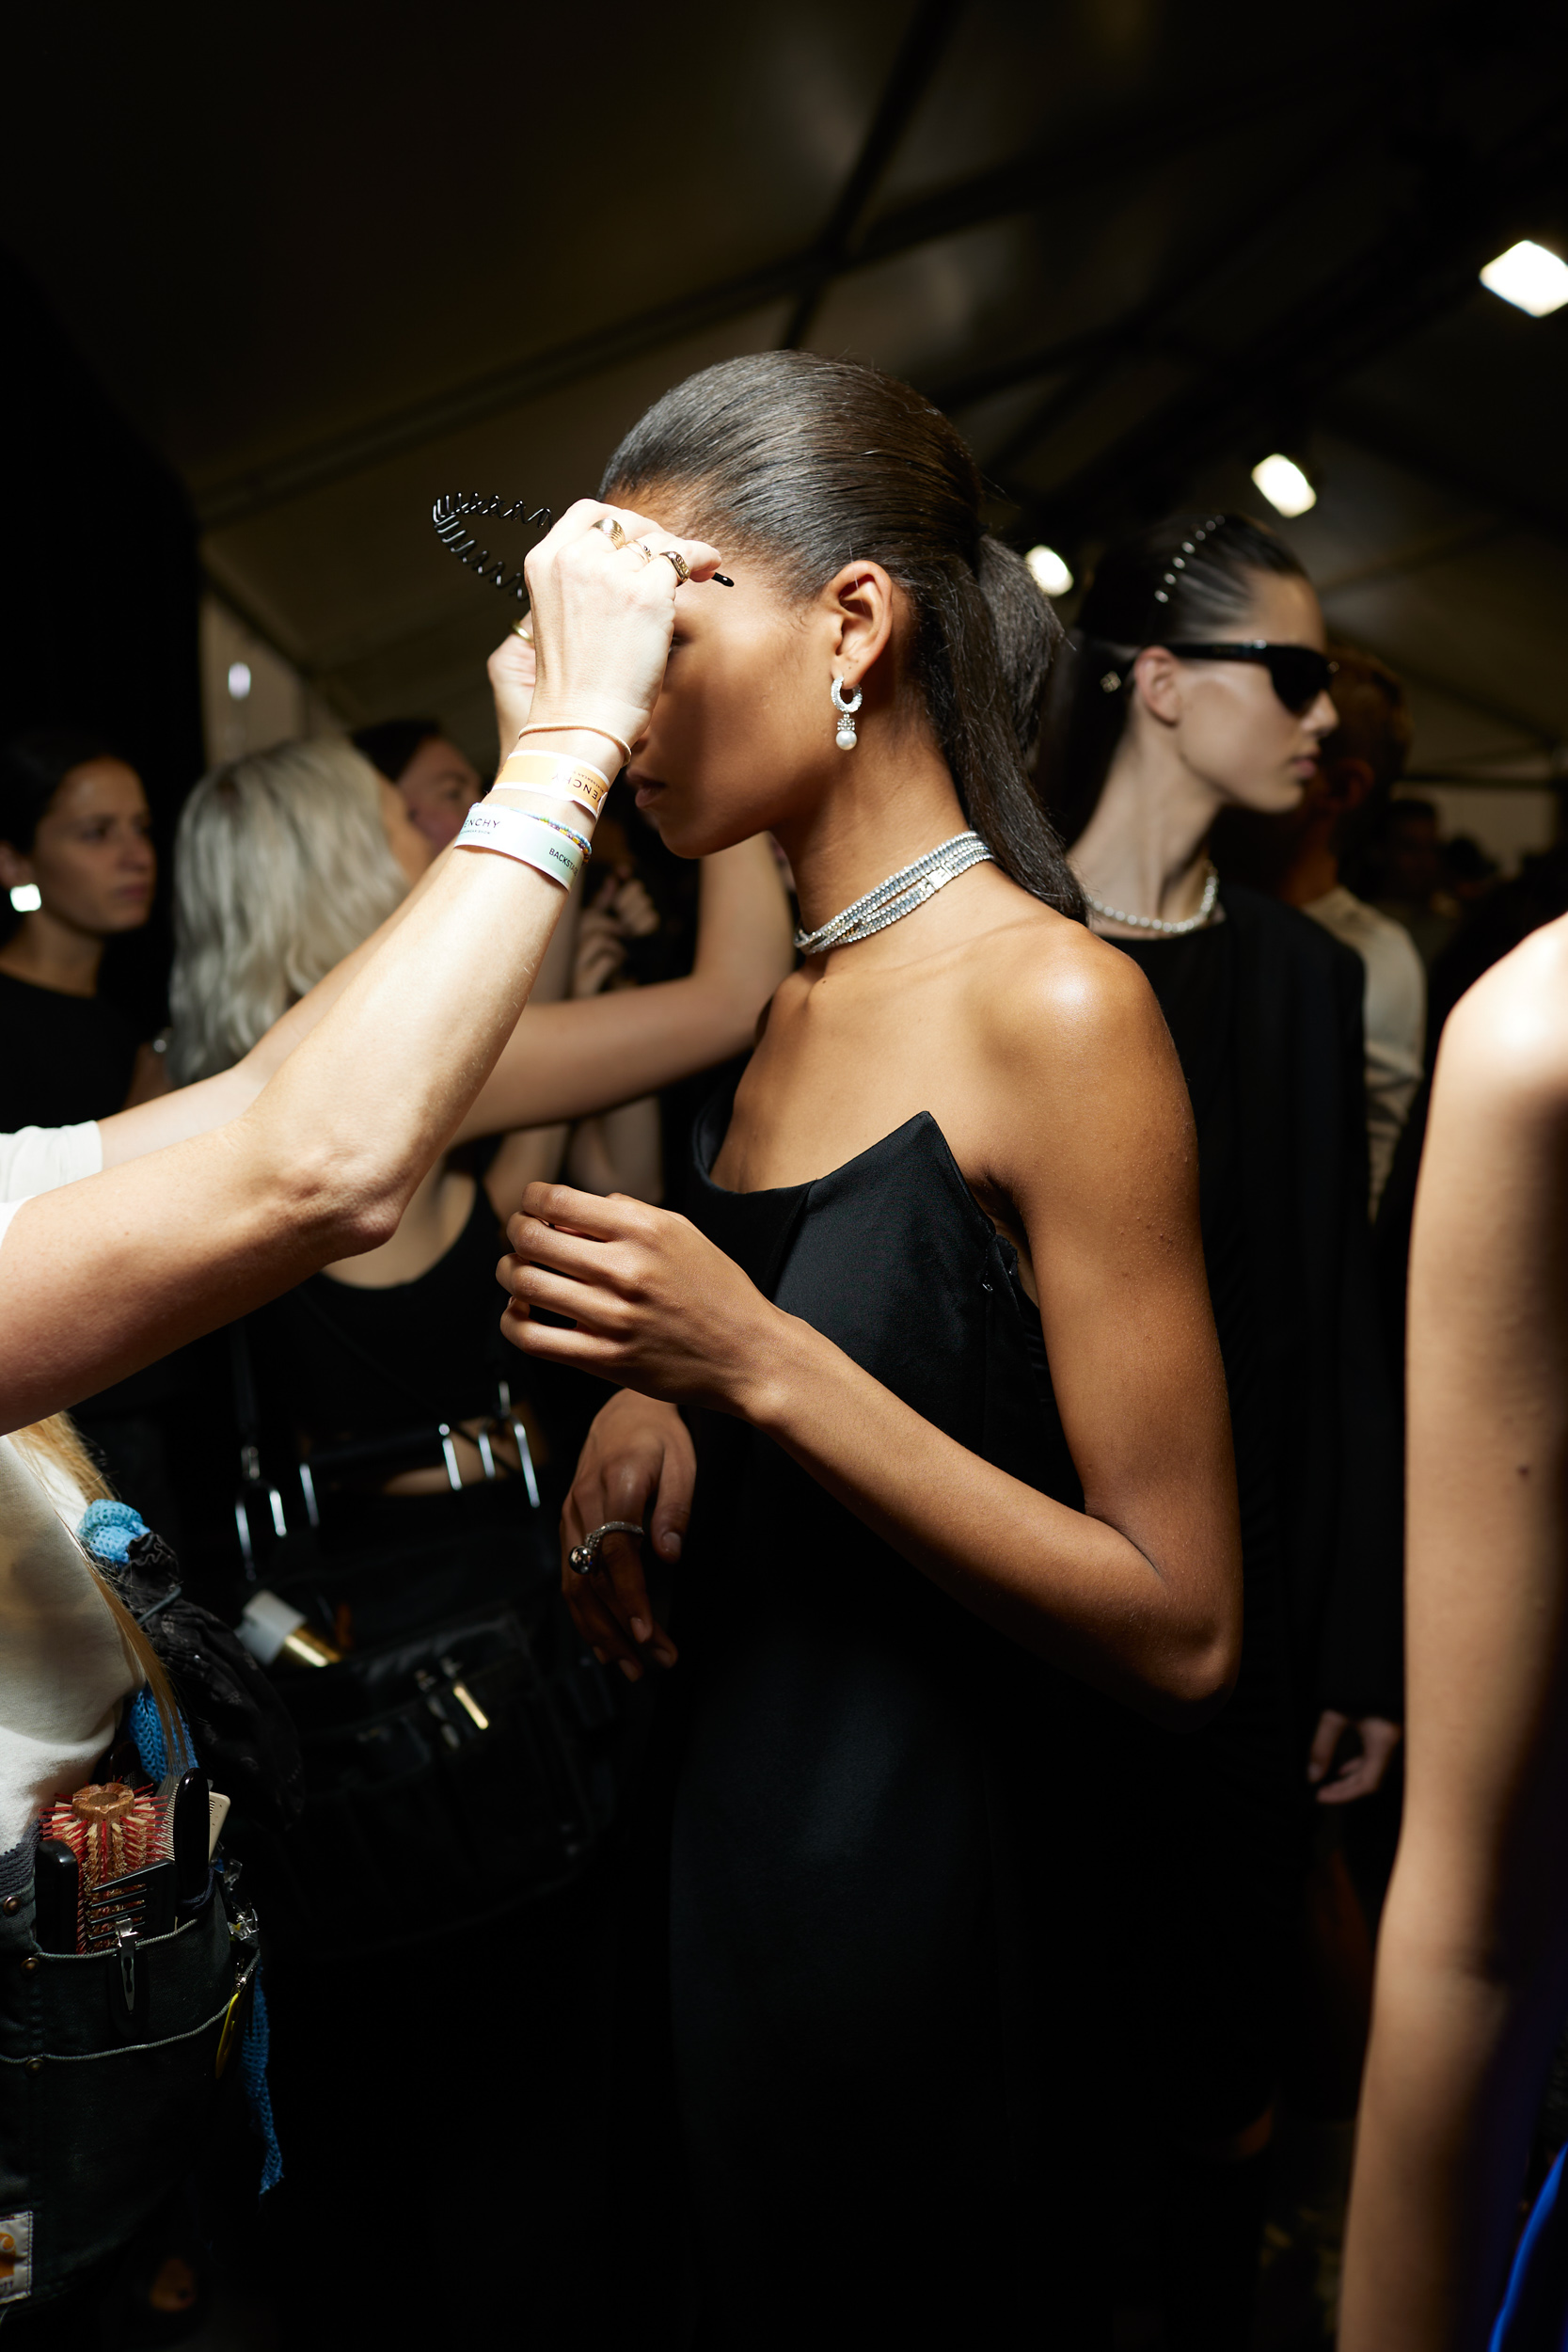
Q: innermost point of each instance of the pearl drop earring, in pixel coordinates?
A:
(845, 715)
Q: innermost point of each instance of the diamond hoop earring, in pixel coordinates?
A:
(845, 715)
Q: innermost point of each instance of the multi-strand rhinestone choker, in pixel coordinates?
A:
(898, 896)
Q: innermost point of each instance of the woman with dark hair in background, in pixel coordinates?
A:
(76, 856)
(439, 783)
(1198, 683)
(962, 1443)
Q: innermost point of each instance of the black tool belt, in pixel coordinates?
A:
(454, 1758)
(114, 2069)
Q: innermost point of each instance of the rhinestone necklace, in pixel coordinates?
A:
(1154, 922)
(898, 896)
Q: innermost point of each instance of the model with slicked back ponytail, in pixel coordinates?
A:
(929, 1341)
(810, 463)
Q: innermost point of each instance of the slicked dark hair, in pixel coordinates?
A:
(1186, 577)
(33, 766)
(812, 463)
(390, 744)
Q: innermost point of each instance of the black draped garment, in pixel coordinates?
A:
(876, 1951)
(1264, 1010)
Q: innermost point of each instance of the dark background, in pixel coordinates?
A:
(321, 265)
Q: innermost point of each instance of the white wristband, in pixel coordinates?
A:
(549, 848)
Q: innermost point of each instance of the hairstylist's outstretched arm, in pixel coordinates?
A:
(107, 1275)
(1472, 1976)
(567, 1060)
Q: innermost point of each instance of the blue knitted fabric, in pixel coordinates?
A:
(253, 2071)
(108, 1529)
(146, 1734)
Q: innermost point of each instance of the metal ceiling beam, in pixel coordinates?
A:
(1434, 547)
(1401, 443)
(1143, 326)
(1383, 295)
(920, 53)
(1133, 147)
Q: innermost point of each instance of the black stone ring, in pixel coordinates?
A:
(584, 1557)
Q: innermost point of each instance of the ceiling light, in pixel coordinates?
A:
(239, 680)
(1284, 485)
(26, 897)
(1529, 277)
(1048, 571)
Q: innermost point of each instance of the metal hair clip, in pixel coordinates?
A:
(449, 515)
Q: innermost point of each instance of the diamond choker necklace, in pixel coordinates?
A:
(898, 896)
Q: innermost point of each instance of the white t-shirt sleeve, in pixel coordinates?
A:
(41, 1159)
(63, 1667)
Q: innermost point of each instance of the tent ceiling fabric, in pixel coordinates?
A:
(333, 267)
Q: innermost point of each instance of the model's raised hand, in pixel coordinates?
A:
(657, 1306)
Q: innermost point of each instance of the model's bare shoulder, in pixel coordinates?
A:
(1505, 1044)
(1046, 993)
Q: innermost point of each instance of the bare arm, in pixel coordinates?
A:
(566, 1061)
(1140, 1593)
(1472, 1982)
(107, 1275)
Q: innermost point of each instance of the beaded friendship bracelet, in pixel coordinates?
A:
(537, 841)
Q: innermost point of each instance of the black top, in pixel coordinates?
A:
(355, 1363)
(870, 1966)
(62, 1058)
(1266, 1014)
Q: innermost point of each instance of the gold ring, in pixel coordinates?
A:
(673, 555)
(520, 628)
(646, 553)
(612, 530)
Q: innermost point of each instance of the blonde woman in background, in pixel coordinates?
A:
(284, 864)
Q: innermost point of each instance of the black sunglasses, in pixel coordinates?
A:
(1298, 674)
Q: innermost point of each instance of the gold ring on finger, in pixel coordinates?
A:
(521, 628)
(612, 530)
(673, 555)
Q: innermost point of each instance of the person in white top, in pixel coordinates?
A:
(1298, 858)
(66, 1664)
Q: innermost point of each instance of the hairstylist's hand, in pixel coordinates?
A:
(511, 669)
(636, 1463)
(602, 615)
(654, 1304)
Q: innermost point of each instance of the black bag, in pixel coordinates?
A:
(452, 1758)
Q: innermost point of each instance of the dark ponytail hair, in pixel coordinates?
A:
(1187, 578)
(814, 462)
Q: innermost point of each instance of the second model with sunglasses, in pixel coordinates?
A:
(1198, 681)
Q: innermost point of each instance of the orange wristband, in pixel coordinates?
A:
(560, 779)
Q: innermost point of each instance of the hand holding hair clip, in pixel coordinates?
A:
(449, 514)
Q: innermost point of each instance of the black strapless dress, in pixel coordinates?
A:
(878, 1944)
